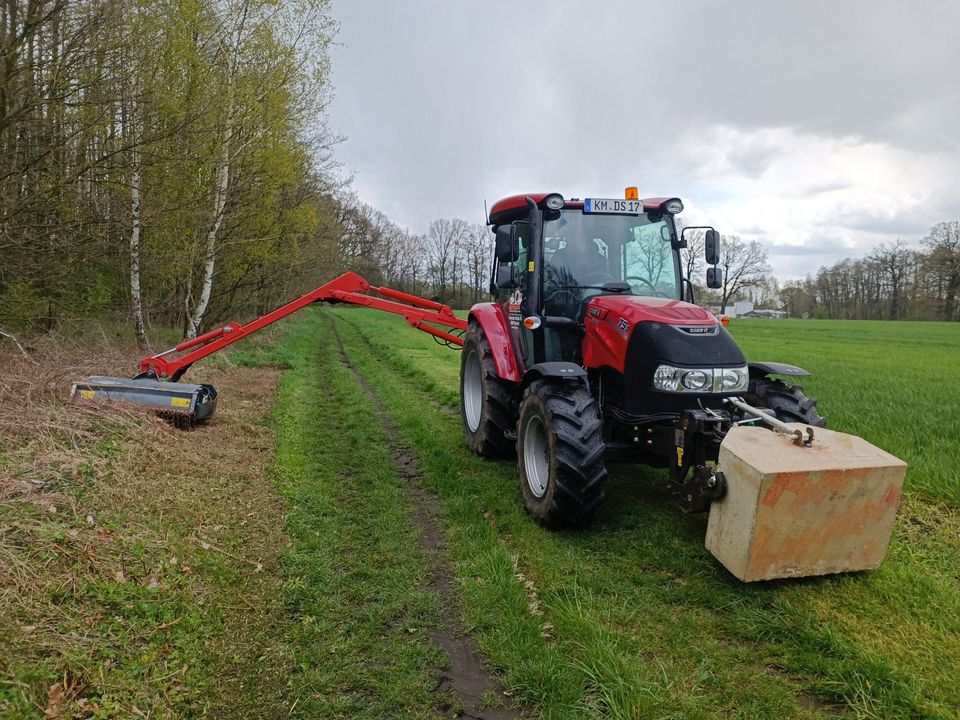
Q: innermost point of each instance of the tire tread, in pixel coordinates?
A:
(499, 417)
(788, 402)
(573, 418)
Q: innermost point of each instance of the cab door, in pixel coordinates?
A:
(512, 286)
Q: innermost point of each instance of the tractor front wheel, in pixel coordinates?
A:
(788, 402)
(560, 452)
(486, 400)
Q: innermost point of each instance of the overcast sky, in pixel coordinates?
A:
(819, 128)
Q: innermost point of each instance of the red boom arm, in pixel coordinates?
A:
(347, 288)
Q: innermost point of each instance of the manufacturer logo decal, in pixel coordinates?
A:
(699, 329)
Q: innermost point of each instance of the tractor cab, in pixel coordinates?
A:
(553, 256)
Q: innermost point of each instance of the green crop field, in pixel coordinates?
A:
(632, 617)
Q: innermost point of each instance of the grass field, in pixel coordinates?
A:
(633, 618)
(325, 557)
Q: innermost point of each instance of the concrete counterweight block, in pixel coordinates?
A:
(793, 511)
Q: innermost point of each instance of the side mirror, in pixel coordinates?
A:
(508, 245)
(506, 276)
(711, 247)
(714, 278)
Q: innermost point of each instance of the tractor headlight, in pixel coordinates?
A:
(665, 378)
(735, 379)
(668, 378)
(695, 380)
(674, 206)
(554, 201)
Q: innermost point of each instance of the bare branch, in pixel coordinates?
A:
(19, 346)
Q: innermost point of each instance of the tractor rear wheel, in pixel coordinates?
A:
(788, 402)
(487, 407)
(560, 452)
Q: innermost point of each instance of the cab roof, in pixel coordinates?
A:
(507, 208)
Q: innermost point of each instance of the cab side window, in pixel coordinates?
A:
(523, 237)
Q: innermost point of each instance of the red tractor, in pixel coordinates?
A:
(589, 351)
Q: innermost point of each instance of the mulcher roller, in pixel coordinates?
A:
(181, 404)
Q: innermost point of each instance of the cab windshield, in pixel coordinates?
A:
(585, 254)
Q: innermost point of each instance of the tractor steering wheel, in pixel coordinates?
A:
(571, 292)
(646, 282)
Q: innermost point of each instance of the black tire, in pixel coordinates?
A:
(788, 402)
(562, 472)
(487, 408)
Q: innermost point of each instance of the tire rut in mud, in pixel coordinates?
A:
(466, 676)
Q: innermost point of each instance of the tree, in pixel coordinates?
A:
(765, 293)
(942, 263)
(894, 263)
(798, 298)
(444, 238)
(479, 258)
(744, 266)
(691, 257)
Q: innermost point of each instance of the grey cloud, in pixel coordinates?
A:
(446, 104)
(865, 68)
(752, 160)
(819, 189)
(908, 224)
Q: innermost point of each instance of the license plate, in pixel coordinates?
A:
(613, 205)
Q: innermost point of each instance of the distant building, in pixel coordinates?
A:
(745, 309)
(740, 308)
(766, 314)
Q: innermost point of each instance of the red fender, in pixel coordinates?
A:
(494, 324)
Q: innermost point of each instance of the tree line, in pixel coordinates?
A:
(451, 262)
(893, 282)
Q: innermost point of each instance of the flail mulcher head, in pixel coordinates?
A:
(182, 404)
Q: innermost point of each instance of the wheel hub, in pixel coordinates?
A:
(536, 462)
(472, 391)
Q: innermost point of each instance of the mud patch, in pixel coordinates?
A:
(479, 692)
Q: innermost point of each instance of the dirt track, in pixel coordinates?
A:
(466, 675)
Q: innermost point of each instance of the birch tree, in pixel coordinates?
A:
(229, 49)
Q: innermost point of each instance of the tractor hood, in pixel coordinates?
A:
(636, 308)
(632, 334)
